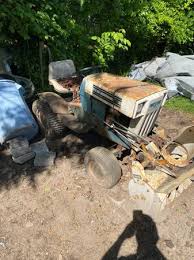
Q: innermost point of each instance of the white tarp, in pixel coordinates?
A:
(173, 71)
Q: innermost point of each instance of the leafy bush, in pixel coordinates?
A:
(88, 31)
(107, 44)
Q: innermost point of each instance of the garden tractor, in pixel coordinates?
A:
(125, 112)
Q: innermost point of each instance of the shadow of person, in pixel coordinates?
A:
(144, 228)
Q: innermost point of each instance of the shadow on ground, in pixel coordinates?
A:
(79, 144)
(11, 174)
(144, 228)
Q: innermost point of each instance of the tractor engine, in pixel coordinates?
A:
(130, 105)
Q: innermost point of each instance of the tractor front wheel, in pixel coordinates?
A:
(103, 167)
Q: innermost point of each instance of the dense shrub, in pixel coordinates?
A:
(114, 33)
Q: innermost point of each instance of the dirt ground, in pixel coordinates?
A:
(57, 213)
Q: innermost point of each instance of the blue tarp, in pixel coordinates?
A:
(15, 116)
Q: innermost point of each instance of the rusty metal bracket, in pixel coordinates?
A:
(173, 155)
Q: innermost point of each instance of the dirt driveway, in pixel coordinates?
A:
(57, 213)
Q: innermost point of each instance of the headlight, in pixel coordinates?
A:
(140, 108)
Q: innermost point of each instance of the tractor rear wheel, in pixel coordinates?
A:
(103, 167)
(50, 124)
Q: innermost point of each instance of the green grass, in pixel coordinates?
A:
(180, 104)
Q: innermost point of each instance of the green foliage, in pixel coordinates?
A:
(170, 20)
(107, 44)
(24, 19)
(180, 104)
(88, 31)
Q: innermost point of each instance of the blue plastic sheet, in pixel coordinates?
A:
(15, 116)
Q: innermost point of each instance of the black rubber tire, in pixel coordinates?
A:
(48, 121)
(103, 167)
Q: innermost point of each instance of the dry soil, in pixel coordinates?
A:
(57, 213)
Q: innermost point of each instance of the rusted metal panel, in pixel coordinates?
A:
(123, 86)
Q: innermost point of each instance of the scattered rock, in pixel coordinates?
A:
(19, 146)
(169, 243)
(2, 244)
(44, 159)
(39, 147)
(60, 257)
(29, 224)
(20, 150)
(24, 158)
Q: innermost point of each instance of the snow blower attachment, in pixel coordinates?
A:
(125, 112)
